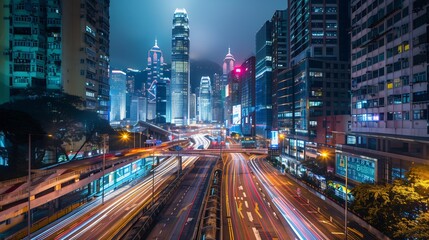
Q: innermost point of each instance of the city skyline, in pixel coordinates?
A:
(231, 24)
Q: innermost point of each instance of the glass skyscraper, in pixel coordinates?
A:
(205, 97)
(118, 93)
(180, 68)
(263, 80)
(155, 64)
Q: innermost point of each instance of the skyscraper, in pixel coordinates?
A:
(217, 108)
(180, 68)
(389, 64)
(155, 63)
(280, 55)
(85, 44)
(5, 49)
(227, 66)
(118, 91)
(205, 98)
(35, 46)
(51, 49)
(248, 97)
(316, 81)
(263, 78)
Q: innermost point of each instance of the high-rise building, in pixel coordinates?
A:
(227, 67)
(217, 107)
(167, 80)
(5, 50)
(193, 108)
(35, 47)
(118, 92)
(51, 49)
(263, 79)
(155, 64)
(317, 79)
(85, 43)
(138, 109)
(232, 102)
(180, 68)
(280, 55)
(205, 98)
(248, 97)
(390, 72)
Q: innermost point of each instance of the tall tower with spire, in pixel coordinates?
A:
(155, 63)
(227, 67)
(180, 80)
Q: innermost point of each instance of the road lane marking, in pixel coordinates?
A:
(239, 209)
(256, 232)
(245, 203)
(244, 194)
(355, 231)
(257, 210)
(337, 233)
(249, 215)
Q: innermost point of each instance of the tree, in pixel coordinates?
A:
(16, 126)
(399, 209)
(63, 116)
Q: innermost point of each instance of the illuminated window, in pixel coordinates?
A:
(406, 46)
(389, 85)
(397, 82)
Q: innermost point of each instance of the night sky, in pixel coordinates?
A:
(214, 25)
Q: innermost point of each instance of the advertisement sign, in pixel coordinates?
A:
(359, 169)
(274, 139)
(236, 114)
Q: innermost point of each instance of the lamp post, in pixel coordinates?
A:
(153, 179)
(104, 167)
(29, 186)
(345, 205)
(29, 181)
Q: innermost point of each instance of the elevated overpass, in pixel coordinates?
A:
(49, 185)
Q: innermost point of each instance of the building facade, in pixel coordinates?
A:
(6, 50)
(217, 109)
(118, 93)
(180, 82)
(316, 81)
(389, 84)
(227, 67)
(263, 81)
(205, 98)
(35, 46)
(155, 64)
(280, 55)
(85, 52)
(248, 97)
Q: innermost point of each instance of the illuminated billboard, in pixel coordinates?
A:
(236, 114)
(359, 169)
(274, 139)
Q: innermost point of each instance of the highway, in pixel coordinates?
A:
(179, 219)
(249, 213)
(309, 215)
(104, 221)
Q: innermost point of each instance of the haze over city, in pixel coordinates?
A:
(214, 26)
(214, 119)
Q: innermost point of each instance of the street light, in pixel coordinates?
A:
(29, 180)
(104, 167)
(345, 205)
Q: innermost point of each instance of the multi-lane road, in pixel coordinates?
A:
(309, 214)
(249, 213)
(257, 203)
